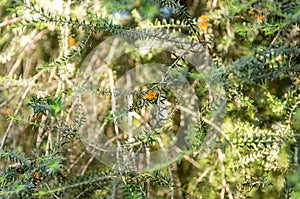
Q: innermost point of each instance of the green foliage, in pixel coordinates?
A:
(256, 50)
(52, 105)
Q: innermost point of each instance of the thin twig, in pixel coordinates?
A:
(53, 194)
(192, 161)
(75, 162)
(170, 171)
(87, 165)
(113, 100)
(176, 61)
(113, 108)
(31, 84)
(224, 183)
(35, 37)
(6, 23)
(204, 173)
(83, 192)
(275, 38)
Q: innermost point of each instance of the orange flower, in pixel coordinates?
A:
(202, 22)
(203, 17)
(36, 176)
(260, 18)
(252, 11)
(151, 95)
(9, 111)
(72, 41)
(280, 58)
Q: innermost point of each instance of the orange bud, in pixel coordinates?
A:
(137, 3)
(72, 41)
(9, 111)
(251, 97)
(252, 11)
(280, 58)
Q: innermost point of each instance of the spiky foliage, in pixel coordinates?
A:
(58, 106)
